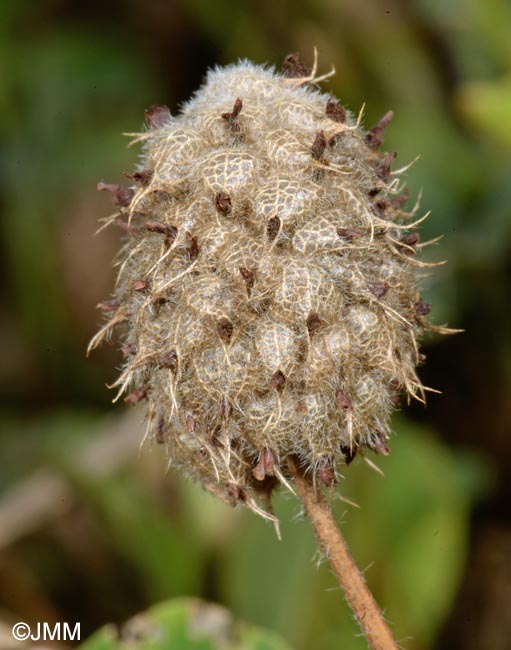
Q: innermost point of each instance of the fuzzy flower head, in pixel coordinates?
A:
(266, 298)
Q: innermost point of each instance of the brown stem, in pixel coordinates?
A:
(329, 536)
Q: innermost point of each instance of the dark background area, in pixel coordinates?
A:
(91, 529)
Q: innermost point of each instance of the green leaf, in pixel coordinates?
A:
(184, 624)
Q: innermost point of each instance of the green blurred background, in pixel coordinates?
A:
(91, 529)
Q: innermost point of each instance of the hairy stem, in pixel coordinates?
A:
(330, 538)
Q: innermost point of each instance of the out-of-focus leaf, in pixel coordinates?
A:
(491, 25)
(486, 106)
(163, 552)
(184, 624)
(31, 443)
(63, 134)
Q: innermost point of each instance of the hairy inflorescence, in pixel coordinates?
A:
(266, 297)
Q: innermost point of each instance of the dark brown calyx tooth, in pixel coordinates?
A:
(325, 471)
(390, 202)
(223, 203)
(131, 230)
(160, 432)
(396, 389)
(232, 116)
(224, 328)
(319, 146)
(142, 178)
(378, 443)
(140, 285)
(349, 234)
(378, 288)
(168, 360)
(157, 116)
(193, 247)
(395, 399)
(157, 305)
(108, 305)
(411, 240)
(342, 401)
(156, 226)
(335, 111)
(248, 276)
(422, 308)
(136, 396)
(278, 381)
(301, 407)
(235, 493)
(129, 350)
(121, 195)
(375, 191)
(266, 465)
(293, 67)
(170, 237)
(374, 137)
(314, 322)
(397, 386)
(381, 206)
(383, 169)
(272, 227)
(349, 454)
(397, 202)
(409, 243)
(169, 231)
(236, 110)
